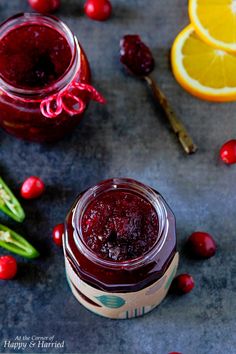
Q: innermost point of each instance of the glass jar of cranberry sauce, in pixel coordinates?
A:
(120, 248)
(44, 78)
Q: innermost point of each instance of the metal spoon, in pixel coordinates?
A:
(138, 59)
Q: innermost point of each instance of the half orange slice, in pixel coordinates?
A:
(204, 71)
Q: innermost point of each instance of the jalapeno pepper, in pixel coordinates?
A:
(15, 243)
(9, 204)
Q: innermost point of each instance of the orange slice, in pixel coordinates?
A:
(215, 22)
(204, 71)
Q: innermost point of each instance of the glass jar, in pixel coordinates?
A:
(120, 289)
(40, 99)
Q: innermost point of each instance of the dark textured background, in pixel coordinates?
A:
(128, 137)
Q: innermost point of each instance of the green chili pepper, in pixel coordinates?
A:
(16, 243)
(9, 204)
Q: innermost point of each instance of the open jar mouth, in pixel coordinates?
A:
(49, 21)
(121, 184)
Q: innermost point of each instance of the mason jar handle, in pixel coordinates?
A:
(54, 105)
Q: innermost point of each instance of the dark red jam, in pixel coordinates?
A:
(120, 226)
(120, 236)
(136, 56)
(39, 57)
(33, 56)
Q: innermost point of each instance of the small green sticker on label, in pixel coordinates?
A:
(169, 281)
(111, 301)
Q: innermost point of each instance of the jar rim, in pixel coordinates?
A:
(62, 82)
(120, 184)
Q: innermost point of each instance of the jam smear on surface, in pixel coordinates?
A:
(33, 56)
(120, 226)
(136, 56)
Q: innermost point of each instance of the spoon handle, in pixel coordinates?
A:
(176, 125)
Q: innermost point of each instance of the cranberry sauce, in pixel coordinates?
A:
(39, 56)
(120, 226)
(136, 56)
(33, 56)
(118, 238)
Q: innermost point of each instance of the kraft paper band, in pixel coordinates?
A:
(121, 305)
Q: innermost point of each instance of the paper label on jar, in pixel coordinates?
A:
(121, 305)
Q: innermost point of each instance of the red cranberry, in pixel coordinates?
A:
(183, 284)
(99, 10)
(175, 353)
(228, 152)
(136, 56)
(57, 234)
(44, 6)
(201, 244)
(32, 188)
(8, 267)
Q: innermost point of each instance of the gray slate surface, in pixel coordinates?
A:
(128, 137)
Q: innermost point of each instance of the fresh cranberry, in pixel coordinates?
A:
(175, 353)
(99, 10)
(228, 152)
(57, 234)
(8, 267)
(136, 56)
(183, 284)
(32, 188)
(44, 6)
(201, 244)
